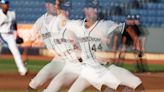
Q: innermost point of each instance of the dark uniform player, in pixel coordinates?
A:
(131, 37)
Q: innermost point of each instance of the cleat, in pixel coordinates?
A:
(24, 72)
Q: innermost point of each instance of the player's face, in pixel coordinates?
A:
(4, 7)
(51, 8)
(90, 13)
(130, 22)
(137, 22)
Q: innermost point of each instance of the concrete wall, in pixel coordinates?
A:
(155, 40)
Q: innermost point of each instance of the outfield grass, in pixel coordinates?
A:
(8, 65)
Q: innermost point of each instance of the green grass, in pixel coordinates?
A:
(8, 65)
(149, 67)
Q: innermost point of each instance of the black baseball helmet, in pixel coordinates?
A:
(4, 1)
(137, 17)
(133, 17)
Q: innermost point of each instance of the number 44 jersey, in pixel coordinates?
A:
(94, 38)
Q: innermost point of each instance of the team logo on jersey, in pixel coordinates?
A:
(86, 39)
(46, 35)
(62, 40)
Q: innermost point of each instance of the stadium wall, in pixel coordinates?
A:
(155, 40)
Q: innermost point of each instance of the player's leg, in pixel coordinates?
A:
(17, 57)
(79, 85)
(122, 52)
(107, 89)
(136, 40)
(1, 43)
(140, 88)
(121, 73)
(66, 77)
(114, 48)
(0, 47)
(47, 72)
(25, 54)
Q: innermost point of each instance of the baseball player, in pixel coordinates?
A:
(92, 34)
(7, 28)
(64, 43)
(43, 27)
(54, 36)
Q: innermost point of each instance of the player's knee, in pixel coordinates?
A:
(138, 83)
(34, 84)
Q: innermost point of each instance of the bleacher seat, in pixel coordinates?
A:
(152, 13)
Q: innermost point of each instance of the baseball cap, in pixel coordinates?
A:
(130, 17)
(66, 4)
(4, 2)
(51, 1)
(92, 3)
(136, 17)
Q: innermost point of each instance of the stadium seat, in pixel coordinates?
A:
(152, 13)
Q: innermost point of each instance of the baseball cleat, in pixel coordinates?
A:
(23, 72)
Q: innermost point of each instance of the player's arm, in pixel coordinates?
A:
(2, 19)
(34, 32)
(75, 44)
(14, 24)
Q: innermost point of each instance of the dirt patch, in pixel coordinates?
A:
(12, 81)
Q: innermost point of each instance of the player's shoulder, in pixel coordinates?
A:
(40, 19)
(107, 22)
(1, 11)
(74, 25)
(74, 22)
(11, 12)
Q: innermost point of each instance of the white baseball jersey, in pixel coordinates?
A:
(6, 21)
(6, 31)
(63, 39)
(54, 35)
(43, 27)
(93, 39)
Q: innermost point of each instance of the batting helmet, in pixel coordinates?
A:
(4, 2)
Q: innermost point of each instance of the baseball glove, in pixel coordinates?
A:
(19, 40)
